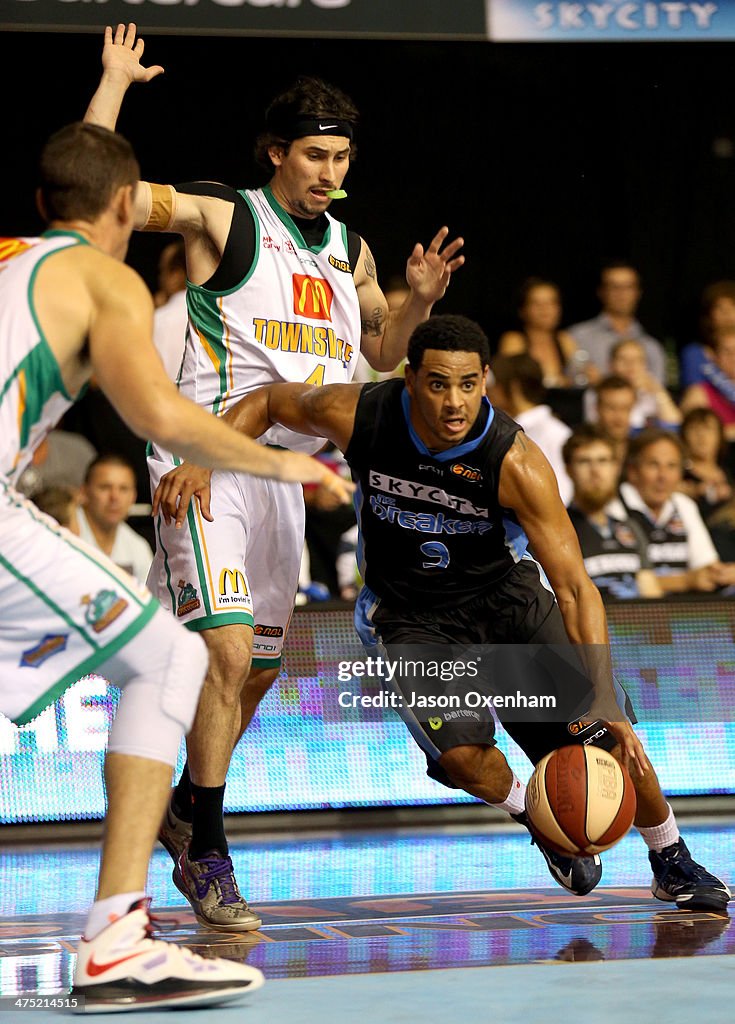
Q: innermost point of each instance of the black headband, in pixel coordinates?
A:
(298, 127)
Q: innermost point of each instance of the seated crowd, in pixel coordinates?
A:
(643, 465)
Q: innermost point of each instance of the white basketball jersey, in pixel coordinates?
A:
(294, 318)
(32, 393)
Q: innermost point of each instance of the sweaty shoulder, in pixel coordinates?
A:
(74, 285)
(526, 474)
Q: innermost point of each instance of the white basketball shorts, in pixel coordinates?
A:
(65, 609)
(241, 568)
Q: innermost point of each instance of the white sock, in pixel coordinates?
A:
(657, 837)
(104, 912)
(515, 802)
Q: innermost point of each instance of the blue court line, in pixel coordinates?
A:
(634, 991)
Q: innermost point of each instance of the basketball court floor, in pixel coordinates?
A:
(421, 924)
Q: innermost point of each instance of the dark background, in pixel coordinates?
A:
(547, 158)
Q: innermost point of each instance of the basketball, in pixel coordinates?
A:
(580, 800)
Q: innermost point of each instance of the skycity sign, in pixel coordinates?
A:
(609, 20)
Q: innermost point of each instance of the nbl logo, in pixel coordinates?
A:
(312, 297)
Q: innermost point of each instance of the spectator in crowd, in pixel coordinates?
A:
(515, 385)
(705, 478)
(62, 504)
(614, 546)
(653, 405)
(619, 292)
(170, 317)
(539, 335)
(612, 408)
(107, 496)
(61, 458)
(680, 547)
(712, 391)
(95, 418)
(717, 314)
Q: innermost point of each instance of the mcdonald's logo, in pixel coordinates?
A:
(312, 297)
(236, 581)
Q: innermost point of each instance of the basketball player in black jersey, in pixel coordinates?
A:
(452, 498)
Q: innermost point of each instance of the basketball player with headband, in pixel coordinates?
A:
(467, 547)
(278, 290)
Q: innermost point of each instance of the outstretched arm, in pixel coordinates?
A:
(385, 333)
(528, 487)
(157, 207)
(327, 411)
(318, 411)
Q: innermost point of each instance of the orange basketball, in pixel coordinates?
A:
(580, 800)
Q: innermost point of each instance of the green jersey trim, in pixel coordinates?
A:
(55, 608)
(288, 223)
(266, 662)
(166, 565)
(85, 551)
(205, 314)
(212, 621)
(88, 665)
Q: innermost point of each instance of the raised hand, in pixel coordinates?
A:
(122, 54)
(428, 272)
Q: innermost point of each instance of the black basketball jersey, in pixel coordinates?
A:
(668, 547)
(432, 533)
(612, 557)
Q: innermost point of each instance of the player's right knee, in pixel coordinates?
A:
(229, 666)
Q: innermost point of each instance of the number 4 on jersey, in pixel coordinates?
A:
(316, 377)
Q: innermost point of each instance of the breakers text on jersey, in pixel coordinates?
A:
(385, 508)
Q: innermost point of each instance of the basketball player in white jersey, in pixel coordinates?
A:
(70, 308)
(278, 290)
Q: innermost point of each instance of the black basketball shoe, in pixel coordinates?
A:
(578, 875)
(678, 878)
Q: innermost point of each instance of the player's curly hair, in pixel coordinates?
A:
(306, 97)
(448, 333)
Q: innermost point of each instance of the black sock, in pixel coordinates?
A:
(181, 800)
(208, 827)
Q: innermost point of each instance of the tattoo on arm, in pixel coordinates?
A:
(370, 269)
(375, 323)
(330, 410)
(521, 441)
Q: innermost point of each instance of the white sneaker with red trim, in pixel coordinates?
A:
(123, 968)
